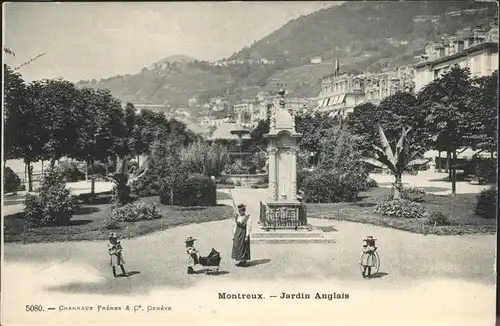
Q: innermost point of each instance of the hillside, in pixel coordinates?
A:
(365, 35)
(176, 58)
(331, 32)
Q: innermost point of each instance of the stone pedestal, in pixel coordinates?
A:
(282, 208)
(283, 217)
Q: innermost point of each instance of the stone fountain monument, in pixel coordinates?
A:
(283, 216)
(283, 208)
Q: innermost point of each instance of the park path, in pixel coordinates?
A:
(431, 182)
(433, 279)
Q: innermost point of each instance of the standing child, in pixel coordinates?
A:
(368, 258)
(115, 253)
(192, 255)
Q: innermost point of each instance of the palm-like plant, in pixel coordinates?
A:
(396, 161)
(123, 178)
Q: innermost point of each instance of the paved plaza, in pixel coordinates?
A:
(452, 278)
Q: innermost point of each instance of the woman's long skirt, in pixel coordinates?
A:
(241, 248)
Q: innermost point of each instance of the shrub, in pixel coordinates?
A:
(200, 157)
(486, 169)
(11, 181)
(439, 218)
(412, 194)
(259, 160)
(111, 225)
(371, 183)
(322, 186)
(197, 190)
(146, 185)
(99, 168)
(400, 208)
(134, 212)
(54, 205)
(487, 203)
(236, 168)
(70, 171)
(301, 175)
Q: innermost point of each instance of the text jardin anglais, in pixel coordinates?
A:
(285, 296)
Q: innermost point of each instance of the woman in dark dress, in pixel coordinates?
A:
(241, 236)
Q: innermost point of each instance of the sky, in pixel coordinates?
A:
(100, 40)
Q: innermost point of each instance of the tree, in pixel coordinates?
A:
(257, 135)
(397, 160)
(314, 127)
(23, 135)
(168, 166)
(362, 121)
(395, 111)
(101, 129)
(15, 96)
(486, 114)
(56, 107)
(130, 123)
(447, 115)
(201, 158)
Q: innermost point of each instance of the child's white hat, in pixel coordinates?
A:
(369, 238)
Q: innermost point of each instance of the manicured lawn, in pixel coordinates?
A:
(87, 224)
(459, 208)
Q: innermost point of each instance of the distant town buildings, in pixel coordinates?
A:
(250, 111)
(475, 49)
(192, 102)
(340, 94)
(316, 60)
(225, 63)
(426, 18)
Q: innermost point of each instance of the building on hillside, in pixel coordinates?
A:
(316, 60)
(247, 112)
(296, 105)
(192, 102)
(426, 18)
(250, 111)
(475, 49)
(152, 107)
(340, 94)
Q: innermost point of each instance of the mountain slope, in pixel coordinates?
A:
(329, 32)
(367, 35)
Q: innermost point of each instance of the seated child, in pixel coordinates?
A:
(192, 255)
(368, 258)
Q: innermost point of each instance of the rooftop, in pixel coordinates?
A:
(224, 131)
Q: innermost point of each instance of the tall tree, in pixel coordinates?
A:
(98, 134)
(257, 135)
(446, 106)
(361, 122)
(486, 114)
(314, 127)
(55, 104)
(167, 165)
(23, 135)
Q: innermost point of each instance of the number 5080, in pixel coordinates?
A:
(33, 308)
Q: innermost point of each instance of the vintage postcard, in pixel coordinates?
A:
(253, 163)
